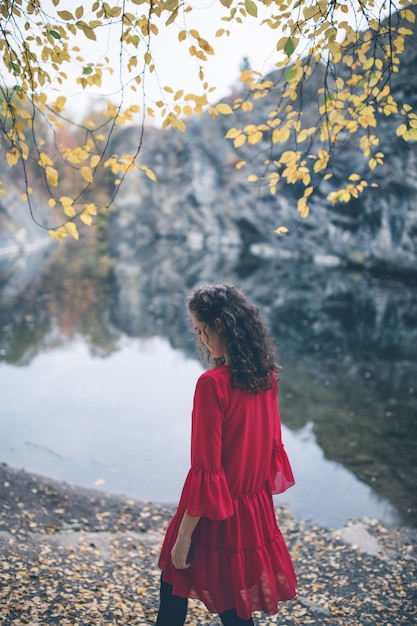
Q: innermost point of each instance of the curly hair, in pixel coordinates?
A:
(246, 338)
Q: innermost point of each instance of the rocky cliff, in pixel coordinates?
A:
(201, 199)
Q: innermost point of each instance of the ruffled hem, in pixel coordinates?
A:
(281, 476)
(206, 494)
(241, 562)
(259, 579)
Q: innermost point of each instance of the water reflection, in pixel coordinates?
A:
(98, 392)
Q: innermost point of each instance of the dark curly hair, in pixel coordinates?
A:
(246, 338)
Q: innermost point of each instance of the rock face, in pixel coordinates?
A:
(201, 199)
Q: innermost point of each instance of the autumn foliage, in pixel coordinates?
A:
(358, 45)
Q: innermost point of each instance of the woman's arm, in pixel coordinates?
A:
(181, 549)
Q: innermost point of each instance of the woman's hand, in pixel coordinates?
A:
(180, 551)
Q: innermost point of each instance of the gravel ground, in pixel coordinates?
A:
(72, 556)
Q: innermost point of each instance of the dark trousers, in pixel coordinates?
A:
(173, 611)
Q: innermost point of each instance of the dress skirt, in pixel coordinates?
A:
(239, 563)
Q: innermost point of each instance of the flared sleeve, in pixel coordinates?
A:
(206, 492)
(281, 475)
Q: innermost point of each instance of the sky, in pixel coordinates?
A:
(251, 40)
(173, 65)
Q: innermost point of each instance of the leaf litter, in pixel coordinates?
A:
(73, 556)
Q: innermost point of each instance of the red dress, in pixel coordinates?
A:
(238, 556)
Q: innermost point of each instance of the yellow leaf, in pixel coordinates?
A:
(408, 15)
(95, 160)
(368, 63)
(72, 229)
(281, 43)
(255, 137)
(88, 32)
(247, 77)
(280, 135)
(69, 210)
(176, 123)
(65, 15)
(51, 203)
(24, 150)
(86, 218)
(240, 140)
(282, 230)
(149, 173)
(322, 161)
(44, 160)
(51, 176)
(232, 133)
(77, 155)
(402, 128)
(302, 207)
(288, 157)
(343, 195)
(58, 234)
(224, 109)
(12, 157)
(90, 208)
(65, 201)
(87, 174)
(59, 104)
(247, 106)
(304, 133)
(310, 12)
(251, 8)
(403, 31)
(239, 165)
(252, 178)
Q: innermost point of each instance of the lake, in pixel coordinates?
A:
(98, 369)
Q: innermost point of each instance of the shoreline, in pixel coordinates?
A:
(72, 555)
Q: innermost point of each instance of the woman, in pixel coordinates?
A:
(223, 545)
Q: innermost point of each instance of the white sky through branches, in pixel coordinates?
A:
(173, 64)
(174, 67)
